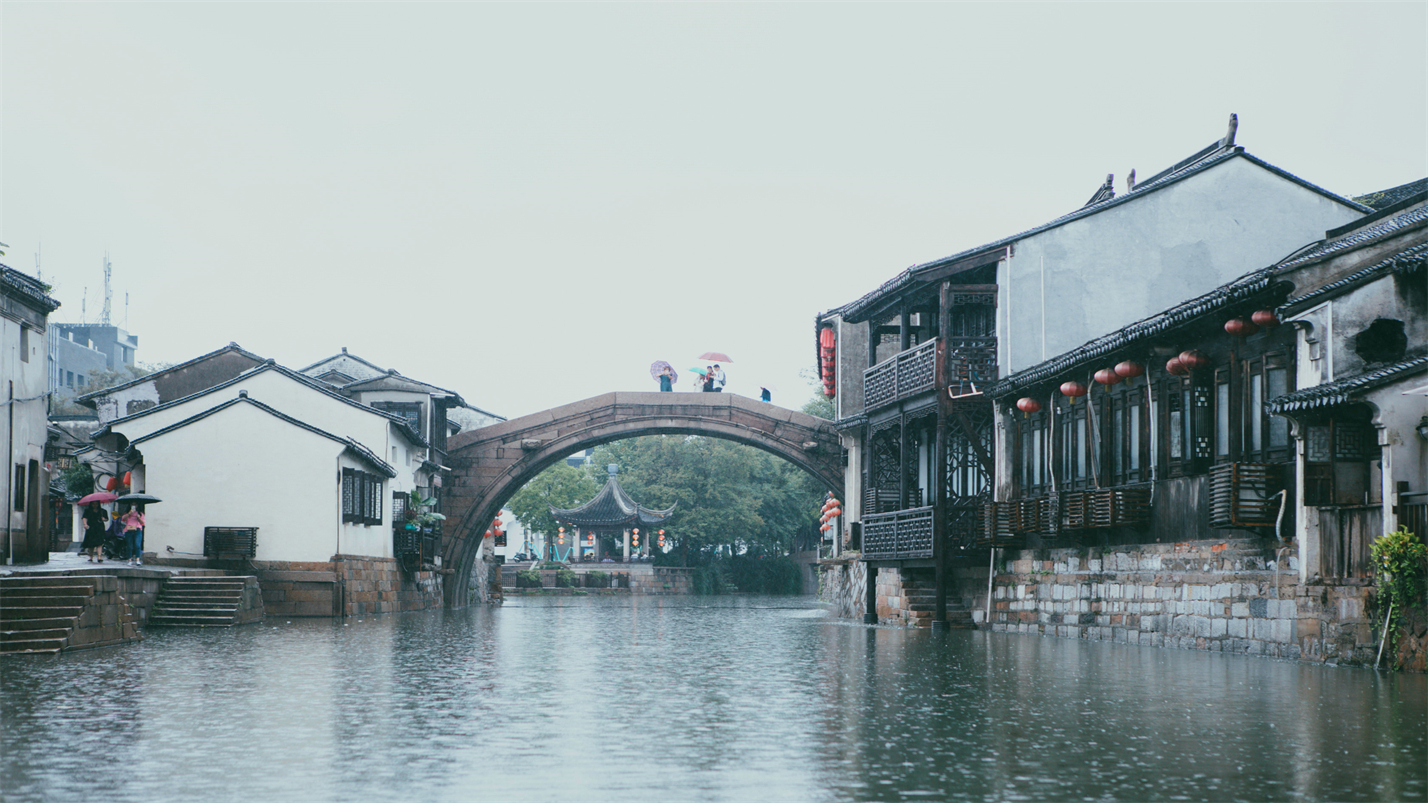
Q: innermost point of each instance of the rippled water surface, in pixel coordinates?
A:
(675, 699)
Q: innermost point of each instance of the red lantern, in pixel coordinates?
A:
(488, 533)
(111, 484)
(1028, 405)
(1265, 318)
(1239, 327)
(1129, 369)
(1073, 390)
(127, 476)
(1193, 358)
(1176, 367)
(1108, 377)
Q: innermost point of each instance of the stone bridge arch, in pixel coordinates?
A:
(491, 463)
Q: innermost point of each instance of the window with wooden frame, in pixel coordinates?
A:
(1125, 436)
(1072, 446)
(1187, 425)
(1339, 449)
(1033, 437)
(1265, 436)
(361, 497)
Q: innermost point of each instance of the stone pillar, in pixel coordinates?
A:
(870, 597)
(626, 531)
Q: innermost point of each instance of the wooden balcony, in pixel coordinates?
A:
(901, 376)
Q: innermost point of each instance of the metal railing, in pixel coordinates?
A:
(1413, 513)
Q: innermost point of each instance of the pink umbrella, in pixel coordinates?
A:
(98, 496)
(715, 356)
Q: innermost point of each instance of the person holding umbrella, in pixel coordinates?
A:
(717, 374)
(132, 523)
(95, 523)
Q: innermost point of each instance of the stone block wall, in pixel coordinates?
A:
(894, 604)
(842, 585)
(663, 580)
(106, 618)
(349, 585)
(1220, 596)
(378, 585)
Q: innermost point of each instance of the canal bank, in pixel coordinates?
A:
(1232, 596)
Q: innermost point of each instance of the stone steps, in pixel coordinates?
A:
(37, 614)
(199, 602)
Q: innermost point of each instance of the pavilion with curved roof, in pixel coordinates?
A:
(611, 511)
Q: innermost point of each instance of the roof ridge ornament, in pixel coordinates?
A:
(1106, 191)
(1229, 140)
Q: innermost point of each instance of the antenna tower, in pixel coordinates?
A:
(104, 316)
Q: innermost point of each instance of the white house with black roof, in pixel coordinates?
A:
(25, 305)
(317, 473)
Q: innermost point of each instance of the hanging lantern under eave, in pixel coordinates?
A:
(1027, 405)
(825, 337)
(1073, 390)
(128, 477)
(1129, 370)
(1108, 377)
(111, 484)
(1265, 318)
(1193, 358)
(1176, 367)
(1239, 327)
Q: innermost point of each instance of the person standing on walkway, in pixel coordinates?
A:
(95, 523)
(666, 380)
(709, 379)
(719, 379)
(133, 525)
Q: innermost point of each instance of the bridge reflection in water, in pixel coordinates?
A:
(677, 698)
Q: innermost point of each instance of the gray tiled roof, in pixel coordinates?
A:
(1347, 390)
(1393, 195)
(612, 507)
(88, 398)
(1379, 229)
(1408, 261)
(32, 290)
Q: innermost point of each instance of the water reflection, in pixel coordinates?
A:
(691, 699)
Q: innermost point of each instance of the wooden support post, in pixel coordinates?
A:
(939, 475)
(870, 596)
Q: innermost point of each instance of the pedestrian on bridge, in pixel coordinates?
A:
(719, 379)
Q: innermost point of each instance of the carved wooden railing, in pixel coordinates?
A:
(971, 364)
(898, 536)
(902, 375)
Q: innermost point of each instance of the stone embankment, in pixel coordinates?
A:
(1234, 596)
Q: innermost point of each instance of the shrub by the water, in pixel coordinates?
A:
(528, 578)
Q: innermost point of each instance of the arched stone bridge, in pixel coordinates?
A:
(491, 463)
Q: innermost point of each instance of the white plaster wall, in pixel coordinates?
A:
(1354, 312)
(1095, 275)
(27, 440)
(245, 468)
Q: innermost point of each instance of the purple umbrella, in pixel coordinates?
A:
(659, 366)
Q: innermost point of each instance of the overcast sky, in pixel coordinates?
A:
(528, 203)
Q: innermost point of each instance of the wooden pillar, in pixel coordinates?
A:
(870, 596)
(938, 481)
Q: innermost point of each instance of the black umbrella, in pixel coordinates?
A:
(139, 499)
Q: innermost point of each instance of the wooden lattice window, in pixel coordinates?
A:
(361, 497)
(1337, 454)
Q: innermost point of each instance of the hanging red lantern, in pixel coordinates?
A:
(1028, 405)
(1265, 318)
(488, 533)
(127, 477)
(1239, 327)
(1176, 367)
(1108, 377)
(1128, 369)
(1193, 358)
(111, 484)
(1073, 390)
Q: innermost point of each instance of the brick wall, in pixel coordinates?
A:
(348, 585)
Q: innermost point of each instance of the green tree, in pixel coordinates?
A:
(558, 486)
(101, 380)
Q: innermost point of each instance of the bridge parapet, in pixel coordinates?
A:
(491, 463)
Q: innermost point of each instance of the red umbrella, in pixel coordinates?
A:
(98, 496)
(714, 356)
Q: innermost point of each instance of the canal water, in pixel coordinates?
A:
(691, 699)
